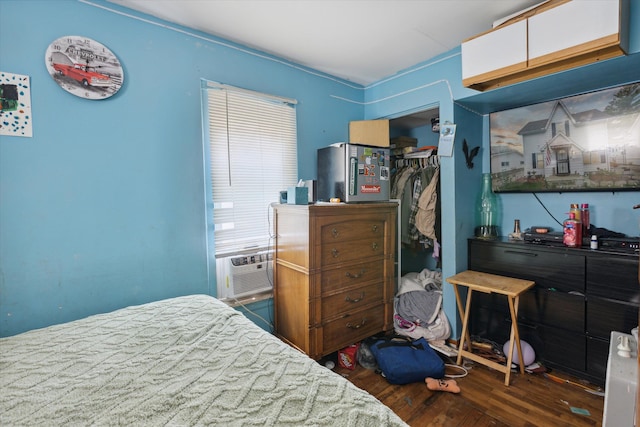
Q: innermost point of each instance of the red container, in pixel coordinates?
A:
(572, 229)
(584, 218)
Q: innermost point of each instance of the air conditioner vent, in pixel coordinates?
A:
(244, 275)
(251, 259)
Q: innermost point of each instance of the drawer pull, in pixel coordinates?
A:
(334, 232)
(531, 254)
(357, 275)
(348, 298)
(335, 252)
(374, 246)
(374, 228)
(352, 326)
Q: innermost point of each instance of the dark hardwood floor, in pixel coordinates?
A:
(484, 400)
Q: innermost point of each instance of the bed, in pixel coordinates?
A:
(183, 361)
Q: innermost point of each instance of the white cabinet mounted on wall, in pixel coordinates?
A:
(555, 36)
(497, 53)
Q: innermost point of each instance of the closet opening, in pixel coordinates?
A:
(415, 164)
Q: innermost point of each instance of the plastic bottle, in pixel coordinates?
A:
(575, 208)
(572, 232)
(584, 219)
(594, 242)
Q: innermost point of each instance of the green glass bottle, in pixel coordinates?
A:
(487, 211)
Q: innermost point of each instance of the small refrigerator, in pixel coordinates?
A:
(353, 173)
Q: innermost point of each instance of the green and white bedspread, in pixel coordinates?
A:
(183, 361)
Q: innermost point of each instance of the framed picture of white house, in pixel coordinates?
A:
(588, 142)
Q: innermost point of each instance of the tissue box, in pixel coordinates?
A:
(298, 195)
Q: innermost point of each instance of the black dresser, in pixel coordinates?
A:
(580, 296)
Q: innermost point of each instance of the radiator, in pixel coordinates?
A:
(621, 385)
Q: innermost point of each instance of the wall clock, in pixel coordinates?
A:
(84, 67)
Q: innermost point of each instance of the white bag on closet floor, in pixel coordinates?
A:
(418, 309)
(438, 330)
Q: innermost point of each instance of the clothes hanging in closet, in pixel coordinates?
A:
(416, 185)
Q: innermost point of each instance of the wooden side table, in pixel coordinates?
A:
(490, 283)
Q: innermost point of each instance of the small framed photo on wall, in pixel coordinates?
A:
(15, 105)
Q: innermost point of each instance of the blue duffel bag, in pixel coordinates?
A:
(404, 361)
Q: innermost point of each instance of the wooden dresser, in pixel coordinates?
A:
(333, 274)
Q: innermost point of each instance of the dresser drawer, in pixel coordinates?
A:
(352, 328)
(604, 316)
(351, 229)
(557, 269)
(539, 306)
(553, 308)
(614, 278)
(563, 348)
(352, 300)
(337, 279)
(489, 324)
(351, 250)
(597, 356)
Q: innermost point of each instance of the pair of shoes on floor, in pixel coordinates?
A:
(442, 385)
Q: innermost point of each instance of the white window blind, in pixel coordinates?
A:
(253, 156)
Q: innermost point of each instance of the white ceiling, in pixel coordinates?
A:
(362, 41)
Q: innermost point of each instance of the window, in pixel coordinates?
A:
(555, 128)
(537, 160)
(594, 157)
(251, 155)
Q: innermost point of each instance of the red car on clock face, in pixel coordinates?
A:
(83, 74)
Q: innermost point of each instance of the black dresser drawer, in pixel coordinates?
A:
(559, 270)
(553, 346)
(604, 316)
(553, 308)
(613, 278)
(496, 327)
(597, 355)
(489, 324)
(539, 305)
(563, 348)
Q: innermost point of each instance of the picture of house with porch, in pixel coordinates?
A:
(570, 145)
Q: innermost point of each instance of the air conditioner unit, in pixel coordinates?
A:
(243, 275)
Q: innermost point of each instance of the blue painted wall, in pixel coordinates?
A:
(104, 207)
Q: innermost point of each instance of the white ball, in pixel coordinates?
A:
(528, 353)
